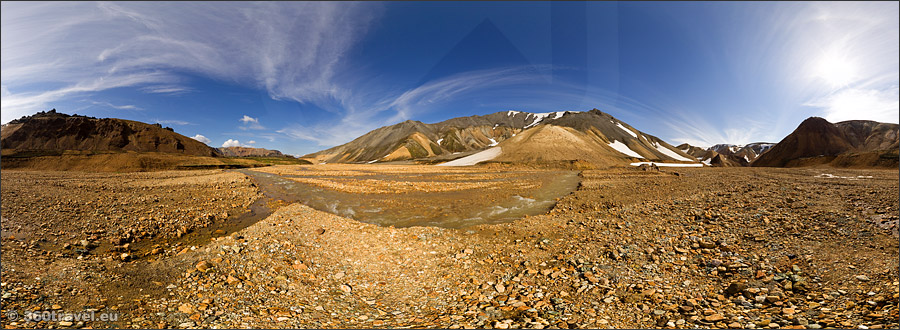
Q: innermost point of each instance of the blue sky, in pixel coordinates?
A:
(301, 77)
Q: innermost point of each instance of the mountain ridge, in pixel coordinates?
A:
(53, 131)
(852, 143)
(604, 139)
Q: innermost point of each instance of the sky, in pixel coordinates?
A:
(301, 77)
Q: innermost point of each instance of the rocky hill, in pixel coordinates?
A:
(249, 152)
(727, 155)
(854, 143)
(56, 132)
(593, 136)
(692, 151)
(747, 153)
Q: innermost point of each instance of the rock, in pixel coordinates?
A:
(320, 231)
(231, 280)
(863, 278)
(714, 318)
(706, 244)
(735, 288)
(186, 308)
(203, 266)
(500, 288)
(125, 257)
(65, 324)
(346, 288)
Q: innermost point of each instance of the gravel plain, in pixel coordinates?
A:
(684, 248)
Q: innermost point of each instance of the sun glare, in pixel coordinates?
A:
(837, 71)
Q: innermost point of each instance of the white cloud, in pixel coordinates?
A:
(251, 142)
(291, 50)
(861, 104)
(202, 138)
(422, 99)
(247, 119)
(173, 122)
(231, 143)
(119, 107)
(250, 123)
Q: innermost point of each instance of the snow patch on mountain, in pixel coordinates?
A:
(621, 147)
(627, 130)
(475, 158)
(670, 153)
(537, 118)
(667, 164)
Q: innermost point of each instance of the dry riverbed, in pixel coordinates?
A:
(708, 248)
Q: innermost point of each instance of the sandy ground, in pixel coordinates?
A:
(708, 248)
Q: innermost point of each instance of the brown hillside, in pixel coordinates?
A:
(53, 131)
(857, 143)
(591, 131)
(249, 152)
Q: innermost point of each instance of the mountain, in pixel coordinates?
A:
(249, 152)
(56, 132)
(692, 151)
(726, 155)
(748, 152)
(593, 136)
(854, 143)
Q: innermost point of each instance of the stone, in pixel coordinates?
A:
(65, 324)
(203, 266)
(863, 278)
(714, 318)
(735, 288)
(346, 288)
(186, 308)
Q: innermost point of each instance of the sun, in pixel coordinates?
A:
(835, 70)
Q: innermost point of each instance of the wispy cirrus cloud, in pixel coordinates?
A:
(292, 51)
(399, 106)
(172, 122)
(114, 106)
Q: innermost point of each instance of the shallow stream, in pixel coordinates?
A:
(449, 209)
